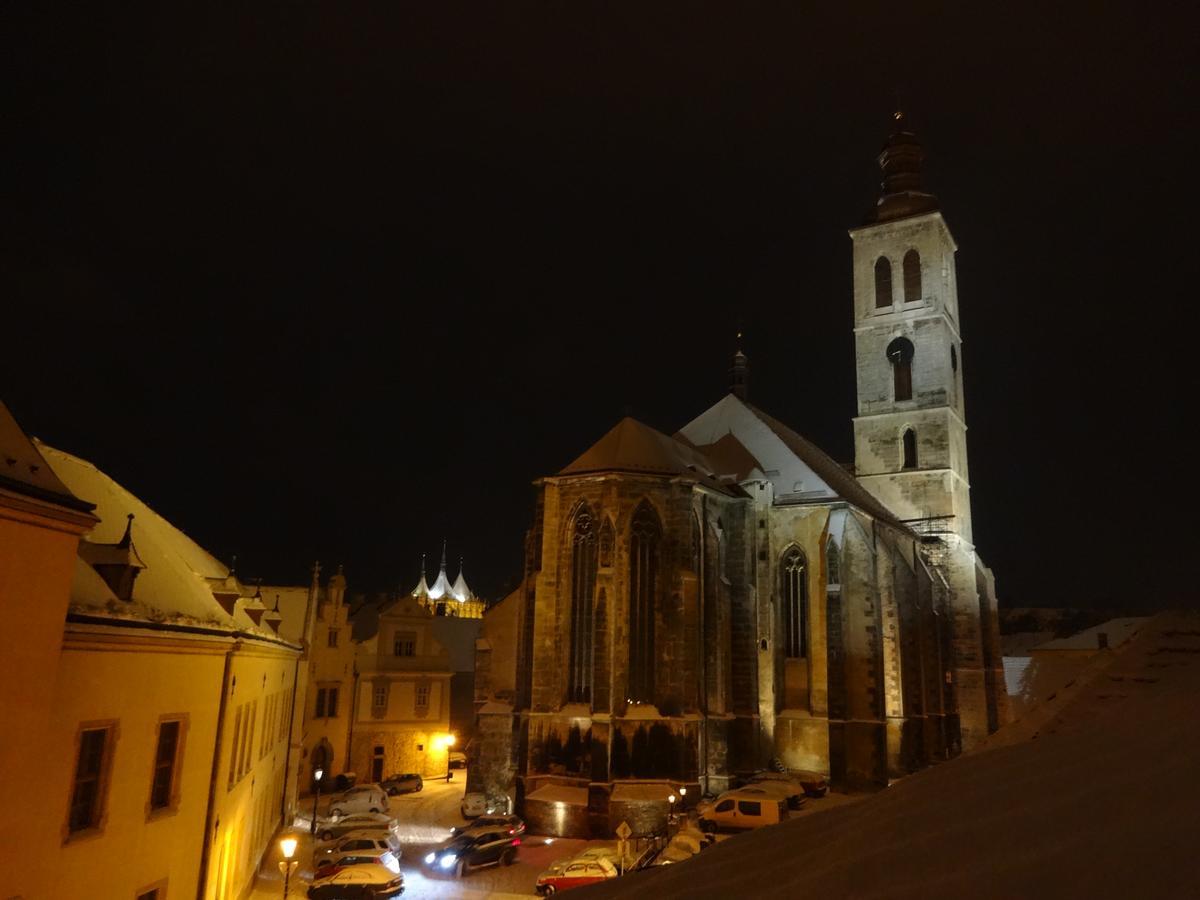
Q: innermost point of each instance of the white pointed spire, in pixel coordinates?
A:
(441, 587)
(461, 592)
(421, 591)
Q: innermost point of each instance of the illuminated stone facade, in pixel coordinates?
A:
(698, 605)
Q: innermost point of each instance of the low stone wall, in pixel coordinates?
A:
(556, 818)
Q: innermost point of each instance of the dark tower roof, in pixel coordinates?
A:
(900, 192)
(739, 373)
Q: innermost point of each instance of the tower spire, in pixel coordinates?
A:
(739, 372)
(900, 193)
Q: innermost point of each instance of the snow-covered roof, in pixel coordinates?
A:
(796, 467)
(177, 580)
(1118, 631)
(23, 469)
(631, 446)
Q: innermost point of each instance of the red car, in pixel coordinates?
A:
(573, 873)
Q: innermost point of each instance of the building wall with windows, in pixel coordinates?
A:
(401, 705)
(329, 702)
(161, 651)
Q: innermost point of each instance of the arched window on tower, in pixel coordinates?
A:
(910, 449)
(900, 355)
(645, 538)
(912, 276)
(883, 283)
(583, 586)
(793, 593)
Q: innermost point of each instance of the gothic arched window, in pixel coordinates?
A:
(645, 538)
(900, 355)
(583, 584)
(883, 283)
(910, 449)
(912, 276)
(793, 592)
(833, 565)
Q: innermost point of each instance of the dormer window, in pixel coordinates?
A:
(118, 564)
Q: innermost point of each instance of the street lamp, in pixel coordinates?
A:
(449, 742)
(318, 774)
(287, 865)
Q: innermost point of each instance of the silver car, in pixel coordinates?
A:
(328, 829)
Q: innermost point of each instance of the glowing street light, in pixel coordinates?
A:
(318, 774)
(449, 742)
(287, 865)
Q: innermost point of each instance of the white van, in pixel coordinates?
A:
(742, 809)
(360, 799)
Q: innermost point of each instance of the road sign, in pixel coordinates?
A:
(624, 831)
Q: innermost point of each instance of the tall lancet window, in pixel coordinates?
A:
(583, 587)
(793, 573)
(900, 355)
(910, 449)
(883, 283)
(912, 276)
(645, 539)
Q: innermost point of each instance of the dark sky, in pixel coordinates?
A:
(319, 282)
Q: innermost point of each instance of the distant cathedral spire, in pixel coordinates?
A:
(739, 373)
(900, 192)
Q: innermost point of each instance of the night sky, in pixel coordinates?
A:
(326, 283)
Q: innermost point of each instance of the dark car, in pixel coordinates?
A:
(474, 850)
(514, 824)
(408, 783)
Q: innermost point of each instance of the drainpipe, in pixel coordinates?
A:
(703, 647)
(206, 843)
(350, 724)
(287, 759)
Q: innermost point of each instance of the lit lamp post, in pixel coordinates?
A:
(683, 798)
(287, 865)
(449, 742)
(671, 812)
(318, 774)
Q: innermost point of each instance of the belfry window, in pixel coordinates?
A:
(645, 538)
(883, 283)
(900, 355)
(910, 449)
(793, 591)
(912, 276)
(583, 585)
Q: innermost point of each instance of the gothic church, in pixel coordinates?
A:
(697, 605)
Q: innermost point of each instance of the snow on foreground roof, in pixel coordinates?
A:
(1103, 802)
(173, 587)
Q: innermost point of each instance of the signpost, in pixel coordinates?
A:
(623, 833)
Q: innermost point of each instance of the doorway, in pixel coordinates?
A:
(377, 765)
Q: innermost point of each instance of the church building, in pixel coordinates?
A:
(695, 606)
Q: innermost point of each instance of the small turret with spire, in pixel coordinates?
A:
(739, 373)
(900, 193)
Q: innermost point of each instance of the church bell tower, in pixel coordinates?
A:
(910, 447)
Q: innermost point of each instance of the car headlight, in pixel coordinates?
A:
(448, 860)
(429, 858)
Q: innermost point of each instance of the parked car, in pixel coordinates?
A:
(458, 759)
(514, 824)
(464, 852)
(811, 784)
(408, 783)
(473, 805)
(366, 882)
(360, 842)
(573, 873)
(789, 791)
(345, 781)
(329, 864)
(329, 829)
(742, 809)
(360, 799)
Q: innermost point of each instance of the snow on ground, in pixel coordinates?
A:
(1101, 800)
